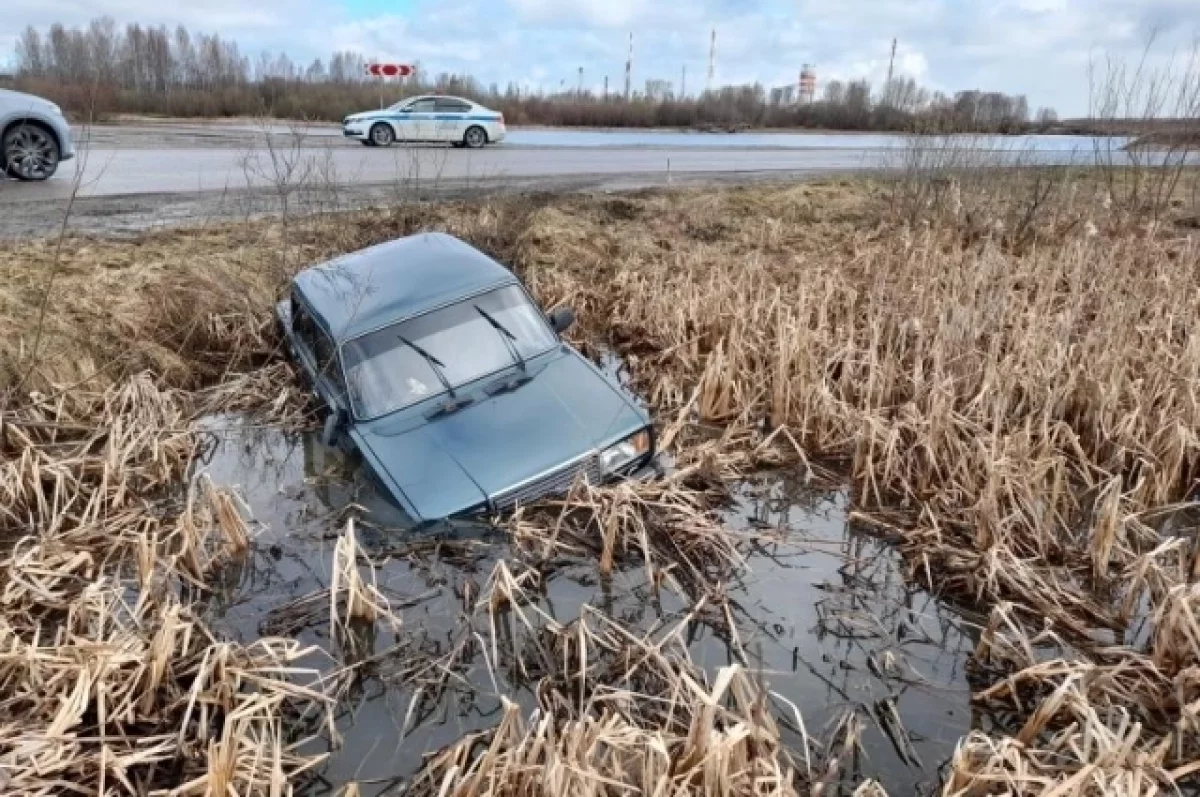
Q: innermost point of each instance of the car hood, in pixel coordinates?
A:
(27, 101)
(459, 461)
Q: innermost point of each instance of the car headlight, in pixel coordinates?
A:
(613, 458)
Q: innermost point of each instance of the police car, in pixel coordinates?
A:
(428, 118)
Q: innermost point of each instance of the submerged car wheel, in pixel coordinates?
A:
(30, 152)
(475, 137)
(382, 134)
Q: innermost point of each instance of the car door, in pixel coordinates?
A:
(416, 121)
(451, 119)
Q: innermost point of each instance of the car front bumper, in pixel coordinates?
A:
(66, 141)
(358, 131)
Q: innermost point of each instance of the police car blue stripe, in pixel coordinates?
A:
(424, 117)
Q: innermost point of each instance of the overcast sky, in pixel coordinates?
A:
(1040, 48)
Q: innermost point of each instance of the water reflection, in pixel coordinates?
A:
(824, 613)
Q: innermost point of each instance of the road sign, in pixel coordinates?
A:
(390, 70)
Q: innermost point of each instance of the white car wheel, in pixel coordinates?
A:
(382, 134)
(475, 137)
(30, 152)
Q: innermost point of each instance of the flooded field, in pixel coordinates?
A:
(823, 614)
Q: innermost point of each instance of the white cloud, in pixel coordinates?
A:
(604, 13)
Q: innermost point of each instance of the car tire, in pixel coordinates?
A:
(30, 152)
(382, 134)
(475, 137)
(366, 142)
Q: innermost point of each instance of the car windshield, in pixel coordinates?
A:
(386, 370)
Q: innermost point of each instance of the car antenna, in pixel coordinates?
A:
(435, 364)
(508, 338)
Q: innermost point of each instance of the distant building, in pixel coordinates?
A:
(808, 83)
(659, 90)
(783, 95)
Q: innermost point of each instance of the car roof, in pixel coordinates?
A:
(440, 97)
(365, 290)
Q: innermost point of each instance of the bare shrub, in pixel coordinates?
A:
(1161, 103)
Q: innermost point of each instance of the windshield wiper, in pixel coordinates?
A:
(508, 337)
(435, 364)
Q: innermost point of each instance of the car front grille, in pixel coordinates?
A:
(557, 482)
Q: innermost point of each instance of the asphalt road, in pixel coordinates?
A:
(143, 174)
(122, 172)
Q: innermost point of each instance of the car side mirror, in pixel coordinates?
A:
(561, 319)
(335, 424)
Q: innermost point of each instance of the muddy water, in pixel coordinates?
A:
(824, 613)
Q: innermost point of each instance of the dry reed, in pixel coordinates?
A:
(111, 682)
(623, 713)
(1020, 416)
(1016, 410)
(354, 602)
(669, 530)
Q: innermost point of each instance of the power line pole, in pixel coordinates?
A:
(712, 59)
(580, 81)
(683, 82)
(629, 68)
(887, 90)
(606, 87)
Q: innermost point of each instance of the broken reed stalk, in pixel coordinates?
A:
(353, 600)
(109, 681)
(667, 528)
(622, 712)
(1085, 724)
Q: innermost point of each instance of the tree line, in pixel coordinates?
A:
(102, 69)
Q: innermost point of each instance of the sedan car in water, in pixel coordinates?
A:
(451, 120)
(34, 136)
(453, 386)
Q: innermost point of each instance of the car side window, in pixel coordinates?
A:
(423, 106)
(327, 362)
(452, 106)
(318, 344)
(304, 326)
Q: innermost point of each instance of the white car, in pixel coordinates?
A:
(430, 118)
(34, 136)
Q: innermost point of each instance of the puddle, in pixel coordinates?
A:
(825, 614)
